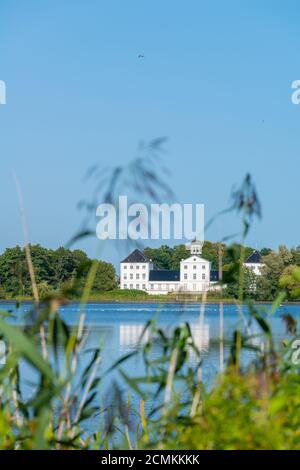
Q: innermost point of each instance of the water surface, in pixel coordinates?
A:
(117, 327)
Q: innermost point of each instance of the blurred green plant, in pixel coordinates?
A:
(253, 404)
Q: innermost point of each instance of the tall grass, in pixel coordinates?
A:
(248, 407)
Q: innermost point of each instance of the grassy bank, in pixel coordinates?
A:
(131, 296)
(135, 296)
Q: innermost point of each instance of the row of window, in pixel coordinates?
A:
(194, 266)
(137, 276)
(136, 266)
(160, 287)
(169, 287)
(137, 286)
(185, 276)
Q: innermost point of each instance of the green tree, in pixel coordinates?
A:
(249, 284)
(53, 269)
(161, 257)
(275, 263)
(290, 280)
(296, 255)
(179, 253)
(14, 276)
(105, 279)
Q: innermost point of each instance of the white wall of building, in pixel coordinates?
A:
(255, 267)
(195, 274)
(163, 287)
(135, 275)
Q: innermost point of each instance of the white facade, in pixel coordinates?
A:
(137, 272)
(254, 262)
(255, 267)
(135, 275)
(195, 274)
(163, 287)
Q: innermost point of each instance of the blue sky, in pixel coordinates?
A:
(216, 80)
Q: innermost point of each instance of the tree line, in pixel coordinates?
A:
(55, 270)
(281, 268)
(166, 257)
(65, 270)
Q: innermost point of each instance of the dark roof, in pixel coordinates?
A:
(137, 256)
(164, 275)
(255, 257)
(214, 276)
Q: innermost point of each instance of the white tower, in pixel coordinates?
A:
(195, 247)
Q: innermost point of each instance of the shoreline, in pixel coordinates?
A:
(149, 301)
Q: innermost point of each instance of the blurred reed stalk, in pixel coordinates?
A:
(221, 309)
(34, 287)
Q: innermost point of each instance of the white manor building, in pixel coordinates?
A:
(255, 263)
(195, 274)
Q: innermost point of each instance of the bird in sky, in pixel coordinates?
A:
(141, 56)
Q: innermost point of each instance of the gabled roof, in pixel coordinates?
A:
(137, 256)
(164, 275)
(255, 257)
(198, 259)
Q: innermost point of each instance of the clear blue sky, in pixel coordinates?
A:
(215, 79)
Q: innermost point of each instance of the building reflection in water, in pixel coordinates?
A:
(130, 335)
(200, 334)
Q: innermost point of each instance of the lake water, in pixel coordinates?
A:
(118, 327)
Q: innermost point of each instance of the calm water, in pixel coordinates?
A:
(117, 327)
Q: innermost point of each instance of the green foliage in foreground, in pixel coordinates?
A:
(253, 407)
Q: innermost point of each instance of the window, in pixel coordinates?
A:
(203, 266)
(125, 286)
(203, 276)
(144, 286)
(125, 266)
(194, 276)
(131, 286)
(137, 276)
(194, 286)
(144, 276)
(137, 286)
(194, 267)
(125, 276)
(131, 266)
(185, 266)
(151, 286)
(137, 266)
(131, 276)
(144, 266)
(185, 276)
